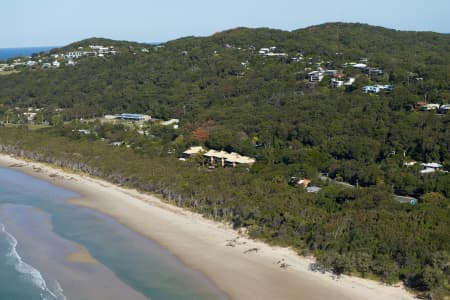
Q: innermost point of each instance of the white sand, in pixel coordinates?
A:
(202, 244)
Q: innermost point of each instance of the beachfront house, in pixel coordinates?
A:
(223, 158)
(194, 150)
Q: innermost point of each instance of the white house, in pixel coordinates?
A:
(31, 63)
(430, 106)
(276, 54)
(315, 76)
(74, 54)
(330, 72)
(444, 108)
(173, 122)
(334, 83)
(349, 81)
(359, 66)
(376, 88)
(429, 168)
(264, 51)
(30, 116)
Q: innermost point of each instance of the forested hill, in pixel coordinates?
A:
(251, 91)
(191, 69)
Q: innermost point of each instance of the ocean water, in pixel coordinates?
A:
(38, 229)
(20, 280)
(7, 53)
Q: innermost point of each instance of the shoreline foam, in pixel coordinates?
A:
(216, 250)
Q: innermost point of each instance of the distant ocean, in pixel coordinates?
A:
(39, 229)
(7, 53)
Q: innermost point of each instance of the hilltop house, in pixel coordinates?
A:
(430, 106)
(349, 81)
(375, 89)
(31, 63)
(444, 108)
(264, 51)
(430, 168)
(360, 66)
(372, 71)
(272, 51)
(315, 76)
(74, 55)
(335, 83)
(173, 122)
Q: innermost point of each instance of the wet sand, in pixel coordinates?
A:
(81, 256)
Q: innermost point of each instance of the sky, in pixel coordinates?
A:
(60, 22)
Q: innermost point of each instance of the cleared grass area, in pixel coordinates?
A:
(30, 126)
(5, 73)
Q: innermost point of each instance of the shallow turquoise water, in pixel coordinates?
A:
(137, 261)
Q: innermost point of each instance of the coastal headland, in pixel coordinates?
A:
(241, 267)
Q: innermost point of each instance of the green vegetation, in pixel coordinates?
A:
(229, 97)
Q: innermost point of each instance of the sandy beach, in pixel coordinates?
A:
(241, 267)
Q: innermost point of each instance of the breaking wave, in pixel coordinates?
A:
(28, 272)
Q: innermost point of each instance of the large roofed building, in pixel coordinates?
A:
(224, 158)
(133, 117)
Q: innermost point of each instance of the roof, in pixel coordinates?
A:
(304, 182)
(432, 165)
(230, 157)
(242, 160)
(131, 116)
(313, 189)
(194, 150)
(405, 199)
(359, 65)
(427, 171)
(215, 153)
